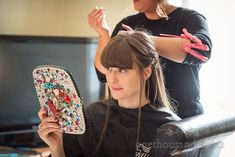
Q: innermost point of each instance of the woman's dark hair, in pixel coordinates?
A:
(131, 48)
(135, 48)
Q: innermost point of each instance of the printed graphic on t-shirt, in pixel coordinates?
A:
(142, 150)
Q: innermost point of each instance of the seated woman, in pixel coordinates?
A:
(125, 124)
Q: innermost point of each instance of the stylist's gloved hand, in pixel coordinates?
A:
(127, 28)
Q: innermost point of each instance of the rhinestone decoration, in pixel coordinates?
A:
(57, 93)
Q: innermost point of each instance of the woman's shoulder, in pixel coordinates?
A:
(166, 114)
(181, 11)
(184, 10)
(170, 114)
(98, 107)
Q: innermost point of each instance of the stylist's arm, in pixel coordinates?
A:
(97, 21)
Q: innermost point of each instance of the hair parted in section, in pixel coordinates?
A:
(127, 48)
(135, 48)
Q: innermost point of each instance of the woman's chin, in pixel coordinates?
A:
(116, 96)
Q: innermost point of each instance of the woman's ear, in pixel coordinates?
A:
(147, 72)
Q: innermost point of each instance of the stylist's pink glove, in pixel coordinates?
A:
(195, 43)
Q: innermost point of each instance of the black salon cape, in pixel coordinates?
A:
(120, 137)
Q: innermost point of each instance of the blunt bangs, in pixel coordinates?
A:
(117, 54)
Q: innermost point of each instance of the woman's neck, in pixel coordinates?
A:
(132, 104)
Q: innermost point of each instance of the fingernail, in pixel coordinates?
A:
(56, 119)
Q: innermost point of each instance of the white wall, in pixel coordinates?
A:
(218, 75)
(56, 17)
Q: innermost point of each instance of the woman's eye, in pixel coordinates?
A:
(109, 69)
(122, 70)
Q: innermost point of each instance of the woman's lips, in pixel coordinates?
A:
(116, 89)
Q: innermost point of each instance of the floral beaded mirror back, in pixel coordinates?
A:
(58, 93)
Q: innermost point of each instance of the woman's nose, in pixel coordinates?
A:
(113, 76)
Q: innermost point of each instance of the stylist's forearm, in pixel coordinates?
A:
(102, 42)
(170, 48)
